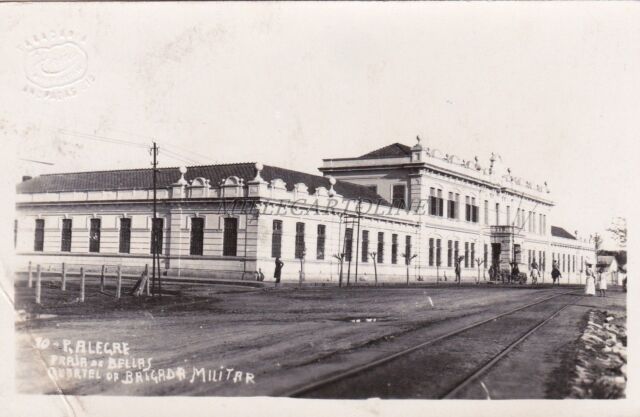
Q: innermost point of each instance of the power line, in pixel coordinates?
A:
(101, 138)
(37, 162)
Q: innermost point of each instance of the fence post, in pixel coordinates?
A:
(30, 281)
(102, 279)
(64, 277)
(82, 284)
(38, 284)
(119, 283)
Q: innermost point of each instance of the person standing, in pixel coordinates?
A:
(458, 278)
(602, 284)
(278, 271)
(590, 282)
(555, 274)
(515, 272)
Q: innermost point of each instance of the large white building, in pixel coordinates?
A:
(395, 212)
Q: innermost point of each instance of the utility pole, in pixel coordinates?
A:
(154, 228)
(358, 239)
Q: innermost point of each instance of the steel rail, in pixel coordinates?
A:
(488, 365)
(358, 369)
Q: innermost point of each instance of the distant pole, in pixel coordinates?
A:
(82, 284)
(30, 280)
(38, 284)
(358, 239)
(102, 279)
(154, 251)
(119, 282)
(340, 254)
(64, 277)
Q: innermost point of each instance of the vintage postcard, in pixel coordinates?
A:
(319, 208)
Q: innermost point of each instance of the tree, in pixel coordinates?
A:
(618, 229)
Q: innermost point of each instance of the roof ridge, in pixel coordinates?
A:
(141, 169)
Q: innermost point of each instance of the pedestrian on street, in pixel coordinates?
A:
(590, 282)
(278, 271)
(602, 284)
(515, 272)
(259, 275)
(555, 274)
(458, 278)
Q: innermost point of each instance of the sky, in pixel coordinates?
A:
(553, 88)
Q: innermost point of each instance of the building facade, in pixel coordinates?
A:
(395, 214)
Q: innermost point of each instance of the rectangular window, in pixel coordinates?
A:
(474, 210)
(125, 235)
(486, 212)
(451, 207)
(300, 247)
(430, 251)
(394, 249)
(38, 244)
(65, 245)
(365, 246)
(449, 253)
(94, 236)
(348, 244)
(473, 255)
(407, 249)
(485, 256)
(398, 198)
(438, 252)
(230, 237)
(433, 204)
(276, 239)
(197, 236)
(380, 255)
(440, 201)
(457, 207)
(15, 233)
(322, 229)
(157, 226)
(574, 263)
(456, 251)
(466, 254)
(467, 208)
(563, 263)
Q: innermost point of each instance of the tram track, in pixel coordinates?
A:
(327, 387)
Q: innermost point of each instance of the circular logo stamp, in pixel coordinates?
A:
(56, 65)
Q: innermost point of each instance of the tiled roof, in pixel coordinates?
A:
(560, 232)
(394, 150)
(142, 179)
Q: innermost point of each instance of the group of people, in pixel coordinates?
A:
(590, 283)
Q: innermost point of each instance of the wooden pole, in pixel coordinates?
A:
(146, 272)
(30, 281)
(102, 279)
(38, 284)
(82, 284)
(64, 277)
(119, 283)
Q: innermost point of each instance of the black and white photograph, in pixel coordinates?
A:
(308, 208)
